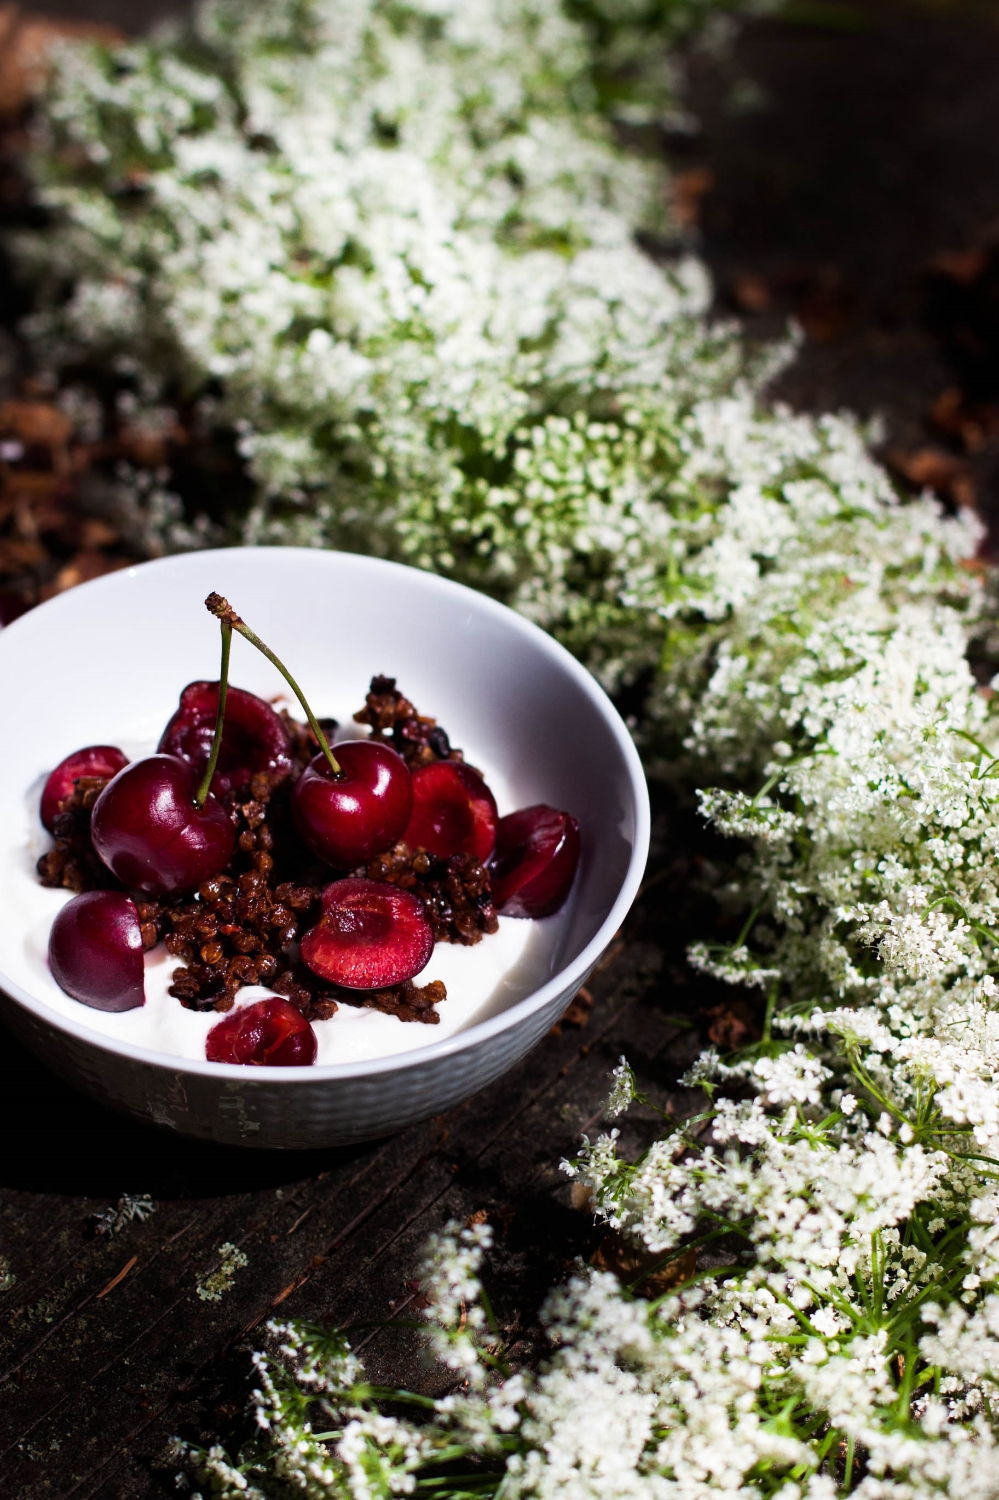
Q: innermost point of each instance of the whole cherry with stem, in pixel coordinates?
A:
(156, 827)
(346, 806)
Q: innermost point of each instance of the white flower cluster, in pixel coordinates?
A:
(845, 1195)
(393, 249)
(386, 234)
(765, 1384)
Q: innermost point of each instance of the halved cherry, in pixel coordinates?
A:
(532, 870)
(254, 737)
(370, 935)
(266, 1034)
(95, 951)
(454, 812)
(95, 760)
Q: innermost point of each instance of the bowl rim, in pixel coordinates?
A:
(572, 973)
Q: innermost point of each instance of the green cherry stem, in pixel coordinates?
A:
(213, 758)
(223, 610)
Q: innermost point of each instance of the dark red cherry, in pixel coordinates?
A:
(95, 951)
(370, 935)
(267, 1034)
(537, 851)
(95, 760)
(346, 819)
(254, 737)
(454, 812)
(149, 831)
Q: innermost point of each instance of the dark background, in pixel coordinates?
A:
(847, 173)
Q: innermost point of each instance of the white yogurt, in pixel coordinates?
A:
(481, 981)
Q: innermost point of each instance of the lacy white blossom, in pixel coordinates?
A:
(453, 1297)
(391, 249)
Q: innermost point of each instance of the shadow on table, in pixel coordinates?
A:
(59, 1141)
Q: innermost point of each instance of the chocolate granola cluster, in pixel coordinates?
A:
(236, 933)
(456, 891)
(418, 739)
(73, 863)
(407, 1002)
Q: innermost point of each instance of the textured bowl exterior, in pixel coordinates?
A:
(490, 675)
(257, 1110)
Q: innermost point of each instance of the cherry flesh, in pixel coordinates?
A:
(254, 737)
(150, 832)
(267, 1034)
(371, 935)
(95, 951)
(454, 812)
(532, 870)
(95, 760)
(346, 819)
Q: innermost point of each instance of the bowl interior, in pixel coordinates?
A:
(105, 664)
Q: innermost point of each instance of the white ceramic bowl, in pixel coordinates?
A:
(105, 664)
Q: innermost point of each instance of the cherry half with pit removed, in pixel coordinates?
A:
(371, 935)
(254, 737)
(148, 829)
(454, 812)
(266, 1034)
(95, 760)
(95, 951)
(346, 818)
(534, 865)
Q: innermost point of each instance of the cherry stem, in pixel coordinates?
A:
(223, 610)
(213, 758)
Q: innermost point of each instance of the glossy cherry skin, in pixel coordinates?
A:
(454, 812)
(370, 935)
(532, 870)
(266, 1034)
(151, 834)
(95, 951)
(346, 819)
(95, 760)
(254, 737)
